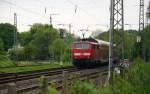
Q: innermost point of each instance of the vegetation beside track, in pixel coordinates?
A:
(41, 43)
(135, 80)
(32, 66)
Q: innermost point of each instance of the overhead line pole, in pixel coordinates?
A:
(116, 22)
(111, 39)
(51, 19)
(15, 30)
(15, 37)
(141, 29)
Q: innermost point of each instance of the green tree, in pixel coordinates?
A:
(148, 10)
(146, 35)
(25, 38)
(30, 52)
(42, 40)
(58, 48)
(7, 35)
(39, 37)
(129, 40)
(1, 45)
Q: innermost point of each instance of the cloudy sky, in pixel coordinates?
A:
(93, 14)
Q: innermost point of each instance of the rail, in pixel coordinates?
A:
(28, 82)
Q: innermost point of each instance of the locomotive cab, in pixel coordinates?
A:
(81, 50)
(89, 53)
(82, 53)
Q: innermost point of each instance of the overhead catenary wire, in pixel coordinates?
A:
(24, 9)
(94, 18)
(41, 16)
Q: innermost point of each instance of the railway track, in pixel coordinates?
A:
(14, 77)
(29, 81)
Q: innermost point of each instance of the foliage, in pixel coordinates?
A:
(43, 42)
(67, 54)
(105, 90)
(58, 47)
(4, 60)
(7, 35)
(146, 35)
(138, 76)
(25, 38)
(136, 80)
(1, 45)
(83, 88)
(148, 10)
(44, 85)
(45, 88)
(129, 40)
(52, 90)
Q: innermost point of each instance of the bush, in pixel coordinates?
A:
(52, 90)
(83, 88)
(136, 80)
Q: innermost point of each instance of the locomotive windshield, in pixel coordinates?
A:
(78, 45)
(82, 46)
(85, 46)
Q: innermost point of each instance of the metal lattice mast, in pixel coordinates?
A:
(141, 27)
(116, 24)
(15, 30)
(141, 16)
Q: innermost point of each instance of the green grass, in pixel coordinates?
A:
(5, 61)
(32, 68)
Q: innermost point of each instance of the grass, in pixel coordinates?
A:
(30, 67)
(5, 61)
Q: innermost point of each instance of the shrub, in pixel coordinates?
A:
(83, 88)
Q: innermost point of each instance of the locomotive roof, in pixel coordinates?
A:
(94, 41)
(102, 42)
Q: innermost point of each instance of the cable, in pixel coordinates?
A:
(93, 17)
(27, 10)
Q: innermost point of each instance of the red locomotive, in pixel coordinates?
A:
(88, 52)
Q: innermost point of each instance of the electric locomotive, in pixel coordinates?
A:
(90, 52)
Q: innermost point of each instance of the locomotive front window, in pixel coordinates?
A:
(85, 46)
(78, 46)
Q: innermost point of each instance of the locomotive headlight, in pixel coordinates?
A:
(77, 54)
(87, 54)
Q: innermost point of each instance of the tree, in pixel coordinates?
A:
(30, 52)
(7, 35)
(1, 45)
(39, 37)
(25, 38)
(58, 47)
(147, 41)
(43, 41)
(129, 40)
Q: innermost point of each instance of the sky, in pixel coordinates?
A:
(81, 14)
